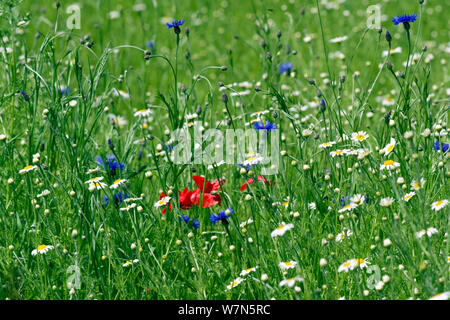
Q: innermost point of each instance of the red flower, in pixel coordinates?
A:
(260, 178)
(186, 199)
(206, 194)
(207, 190)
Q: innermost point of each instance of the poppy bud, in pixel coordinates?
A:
(323, 106)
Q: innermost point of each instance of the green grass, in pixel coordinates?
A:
(39, 55)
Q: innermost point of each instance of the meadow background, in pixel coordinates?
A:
(68, 97)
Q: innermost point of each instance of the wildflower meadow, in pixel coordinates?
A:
(224, 150)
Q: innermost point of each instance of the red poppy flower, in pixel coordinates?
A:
(260, 178)
(206, 192)
(186, 199)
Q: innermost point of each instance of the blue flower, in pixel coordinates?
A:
(222, 216)
(175, 25)
(105, 200)
(404, 19)
(286, 67)
(260, 125)
(25, 96)
(112, 163)
(444, 146)
(196, 224)
(185, 219)
(150, 44)
(65, 91)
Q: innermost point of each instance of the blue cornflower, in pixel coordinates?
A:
(196, 224)
(65, 91)
(185, 219)
(260, 125)
(105, 200)
(405, 19)
(25, 96)
(111, 160)
(150, 44)
(286, 67)
(175, 25)
(444, 146)
(222, 216)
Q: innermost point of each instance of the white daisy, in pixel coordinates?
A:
(247, 271)
(162, 202)
(42, 249)
(389, 165)
(287, 265)
(143, 113)
(27, 169)
(130, 262)
(291, 281)
(441, 296)
(386, 202)
(359, 136)
(234, 283)
(326, 144)
(429, 232)
(408, 196)
(281, 230)
(348, 207)
(117, 183)
(438, 205)
(94, 180)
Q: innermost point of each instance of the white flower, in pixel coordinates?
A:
(291, 281)
(162, 202)
(143, 113)
(129, 207)
(247, 271)
(438, 205)
(42, 249)
(352, 264)
(326, 144)
(338, 152)
(27, 168)
(43, 193)
(341, 236)
(130, 262)
(359, 136)
(348, 207)
(389, 147)
(281, 230)
(386, 202)
(94, 180)
(417, 185)
(234, 283)
(441, 296)
(389, 165)
(287, 265)
(408, 196)
(338, 39)
(97, 186)
(429, 232)
(117, 183)
(357, 199)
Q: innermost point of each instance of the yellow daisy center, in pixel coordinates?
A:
(388, 162)
(41, 247)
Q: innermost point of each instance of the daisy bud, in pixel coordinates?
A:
(74, 233)
(243, 171)
(148, 174)
(133, 246)
(323, 262)
(400, 180)
(219, 254)
(297, 289)
(178, 242)
(264, 277)
(248, 197)
(385, 278)
(11, 247)
(250, 240)
(283, 152)
(379, 286)
(408, 135)
(306, 167)
(139, 209)
(387, 242)
(214, 238)
(341, 217)
(190, 235)
(232, 247)
(10, 180)
(72, 193)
